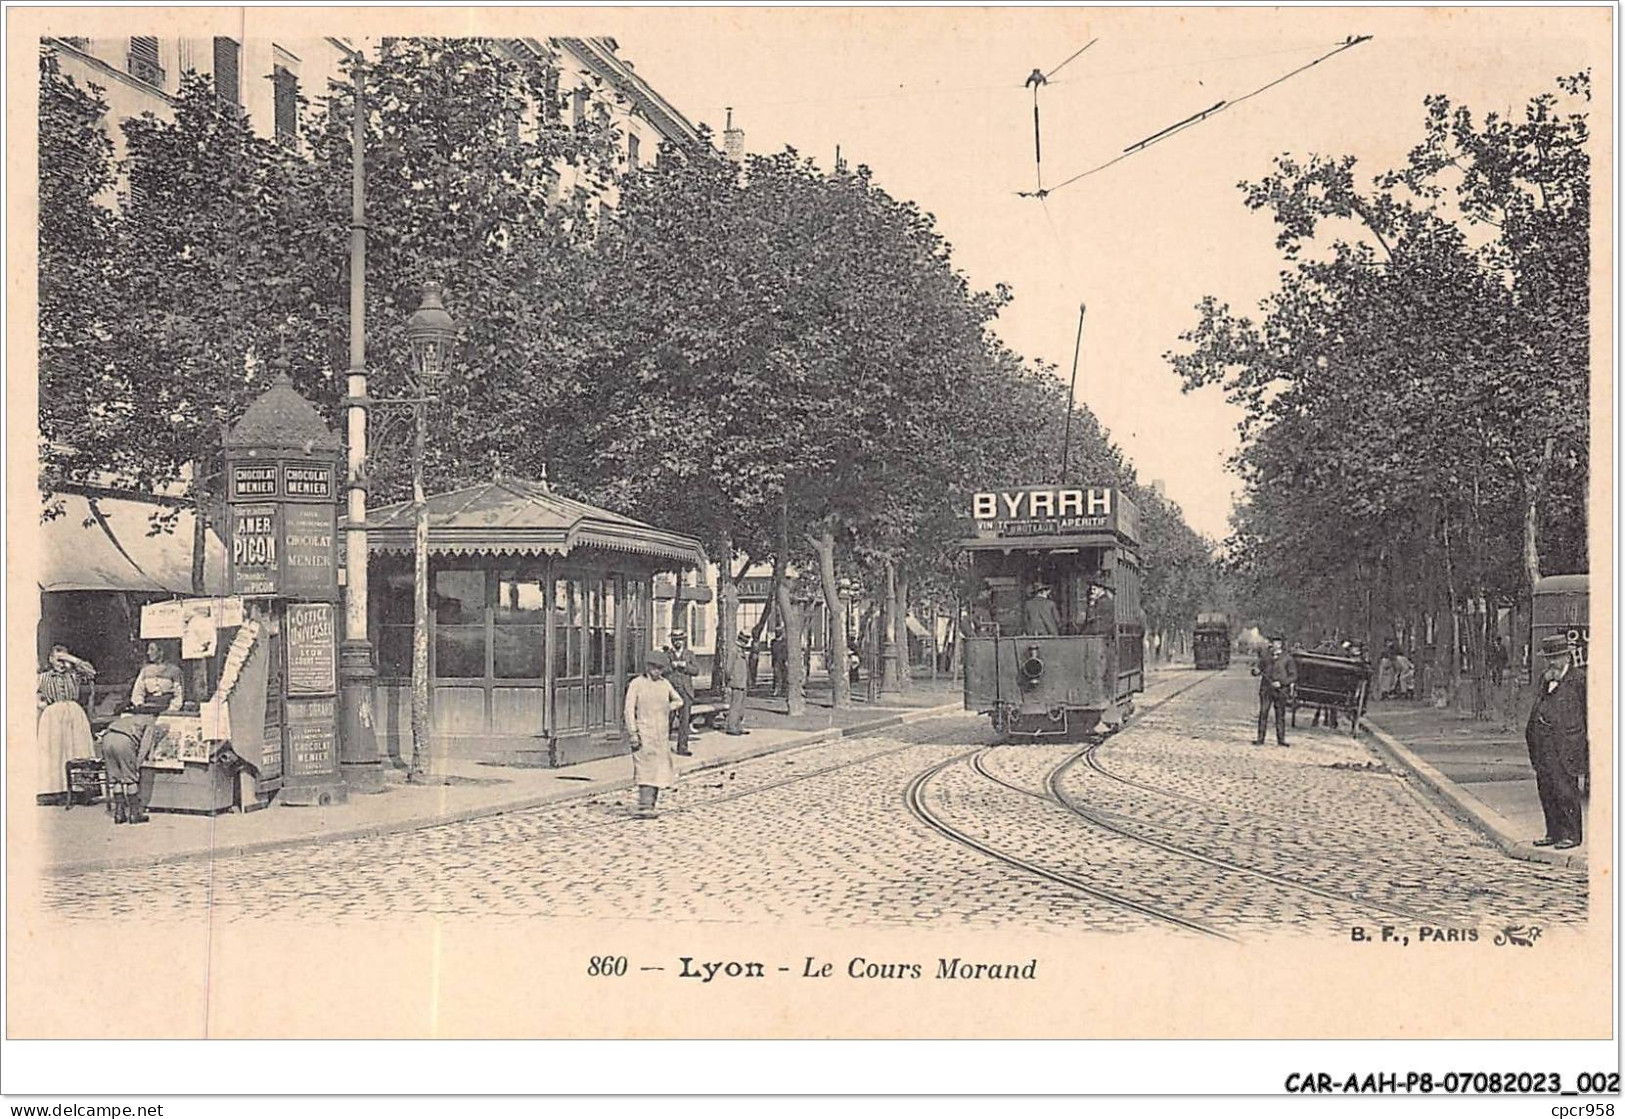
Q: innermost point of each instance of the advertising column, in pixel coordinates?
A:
(282, 468)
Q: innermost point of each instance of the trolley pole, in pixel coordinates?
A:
(1071, 393)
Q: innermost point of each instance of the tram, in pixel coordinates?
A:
(1211, 641)
(1056, 648)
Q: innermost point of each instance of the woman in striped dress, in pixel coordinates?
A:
(64, 731)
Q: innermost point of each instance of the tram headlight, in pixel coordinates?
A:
(1032, 667)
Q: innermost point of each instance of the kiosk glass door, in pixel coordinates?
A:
(583, 654)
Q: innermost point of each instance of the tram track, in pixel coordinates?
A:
(914, 798)
(1124, 826)
(1052, 784)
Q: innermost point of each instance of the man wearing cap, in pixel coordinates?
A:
(650, 700)
(1041, 617)
(738, 683)
(125, 746)
(1277, 675)
(682, 678)
(1559, 748)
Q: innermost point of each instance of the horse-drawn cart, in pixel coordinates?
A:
(1334, 681)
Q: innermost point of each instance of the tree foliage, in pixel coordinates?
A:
(781, 361)
(1416, 389)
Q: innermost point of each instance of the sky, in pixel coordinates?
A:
(933, 101)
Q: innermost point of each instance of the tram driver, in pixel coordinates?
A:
(1041, 617)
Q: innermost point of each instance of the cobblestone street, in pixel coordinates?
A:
(1176, 822)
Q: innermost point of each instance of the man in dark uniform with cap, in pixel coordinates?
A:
(681, 677)
(1559, 748)
(1277, 674)
(1040, 616)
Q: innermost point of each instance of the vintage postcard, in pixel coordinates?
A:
(763, 523)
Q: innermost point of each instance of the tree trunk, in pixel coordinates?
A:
(954, 650)
(1453, 602)
(420, 606)
(837, 657)
(795, 668)
(199, 670)
(905, 665)
(727, 615)
(890, 683)
(1531, 516)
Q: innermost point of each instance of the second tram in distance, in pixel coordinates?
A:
(1057, 642)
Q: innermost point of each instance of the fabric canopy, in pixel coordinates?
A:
(107, 544)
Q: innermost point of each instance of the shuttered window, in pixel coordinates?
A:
(286, 85)
(550, 95)
(144, 63)
(227, 71)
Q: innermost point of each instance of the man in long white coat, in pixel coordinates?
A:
(650, 700)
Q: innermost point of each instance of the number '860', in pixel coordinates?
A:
(606, 965)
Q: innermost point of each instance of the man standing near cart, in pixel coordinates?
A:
(682, 678)
(1277, 674)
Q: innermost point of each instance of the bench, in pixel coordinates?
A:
(707, 711)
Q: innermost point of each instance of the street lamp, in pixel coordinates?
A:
(430, 332)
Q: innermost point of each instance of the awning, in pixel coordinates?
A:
(513, 516)
(915, 627)
(106, 544)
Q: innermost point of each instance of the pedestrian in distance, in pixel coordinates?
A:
(125, 746)
(1404, 675)
(1498, 659)
(1277, 674)
(650, 701)
(1559, 747)
(682, 679)
(63, 728)
(1387, 674)
(779, 649)
(738, 677)
(1041, 616)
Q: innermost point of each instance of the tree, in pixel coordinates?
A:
(1416, 395)
(77, 442)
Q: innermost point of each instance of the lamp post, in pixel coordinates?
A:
(430, 331)
(359, 760)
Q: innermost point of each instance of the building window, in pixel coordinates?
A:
(578, 107)
(632, 150)
(227, 79)
(550, 96)
(285, 85)
(144, 64)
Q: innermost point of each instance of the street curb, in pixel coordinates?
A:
(1468, 808)
(418, 823)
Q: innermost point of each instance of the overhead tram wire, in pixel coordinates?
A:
(1037, 79)
(1195, 119)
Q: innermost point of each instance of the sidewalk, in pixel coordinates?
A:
(1480, 769)
(84, 838)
